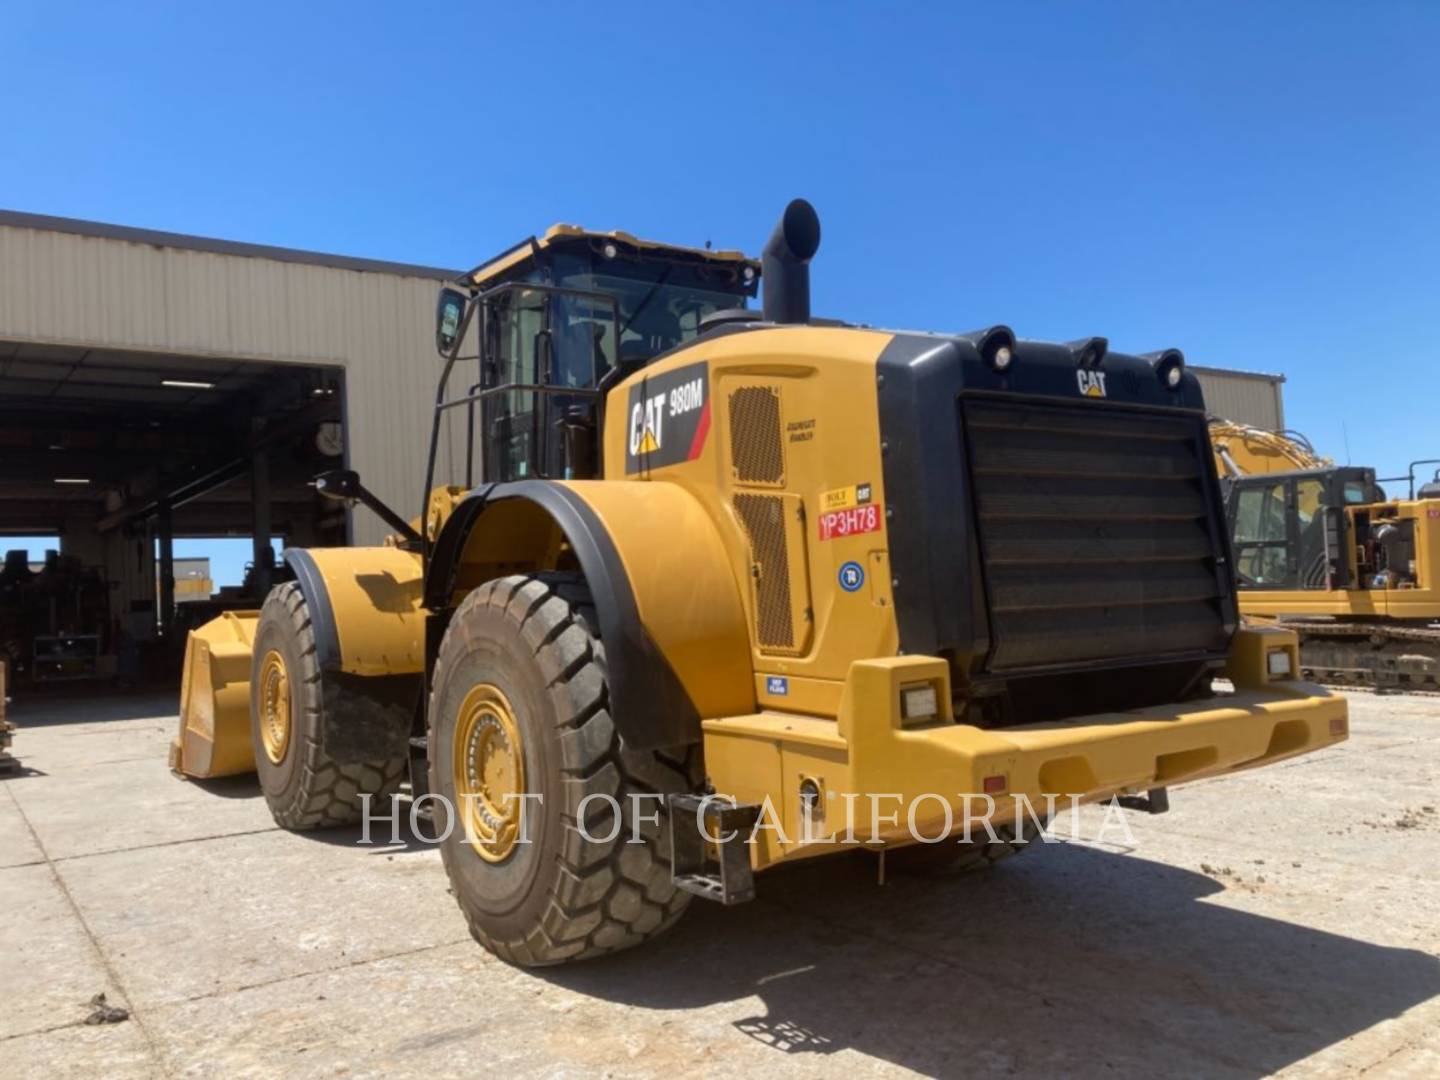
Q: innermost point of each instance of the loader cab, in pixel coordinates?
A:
(555, 322)
(1292, 530)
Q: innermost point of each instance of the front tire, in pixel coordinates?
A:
(519, 705)
(303, 786)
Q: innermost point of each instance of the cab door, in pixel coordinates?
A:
(1289, 532)
(545, 349)
(1263, 531)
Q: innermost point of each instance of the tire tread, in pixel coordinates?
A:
(329, 793)
(608, 896)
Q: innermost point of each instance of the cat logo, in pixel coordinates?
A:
(669, 418)
(1092, 383)
(642, 432)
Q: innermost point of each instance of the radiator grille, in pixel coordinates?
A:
(764, 519)
(756, 448)
(1095, 533)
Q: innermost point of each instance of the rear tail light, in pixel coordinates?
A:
(919, 704)
(1278, 665)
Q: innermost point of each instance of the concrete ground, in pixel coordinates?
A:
(1280, 921)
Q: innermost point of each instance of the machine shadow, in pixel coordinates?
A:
(385, 837)
(58, 708)
(246, 786)
(1069, 961)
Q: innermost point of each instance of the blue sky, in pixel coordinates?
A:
(1254, 183)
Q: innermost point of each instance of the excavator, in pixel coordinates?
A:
(1322, 549)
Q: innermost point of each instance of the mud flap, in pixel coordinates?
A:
(367, 717)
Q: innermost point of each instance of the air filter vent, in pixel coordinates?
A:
(757, 452)
(764, 519)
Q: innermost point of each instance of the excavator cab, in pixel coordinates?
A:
(1290, 529)
(560, 319)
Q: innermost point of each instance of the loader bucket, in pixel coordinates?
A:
(214, 737)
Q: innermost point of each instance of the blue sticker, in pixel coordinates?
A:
(777, 685)
(852, 576)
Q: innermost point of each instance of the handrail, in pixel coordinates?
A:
(480, 302)
(537, 388)
(1411, 471)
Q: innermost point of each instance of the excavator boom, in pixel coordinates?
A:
(1242, 450)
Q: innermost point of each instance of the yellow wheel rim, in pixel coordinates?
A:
(274, 706)
(489, 770)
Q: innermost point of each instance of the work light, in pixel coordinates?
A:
(1169, 367)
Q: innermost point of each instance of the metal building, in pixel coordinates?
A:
(1246, 397)
(154, 385)
(81, 298)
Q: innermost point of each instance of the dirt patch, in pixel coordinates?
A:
(1424, 817)
(1233, 877)
(102, 1012)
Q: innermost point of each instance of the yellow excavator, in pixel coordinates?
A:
(1322, 549)
(726, 588)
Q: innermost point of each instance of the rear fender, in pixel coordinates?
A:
(676, 644)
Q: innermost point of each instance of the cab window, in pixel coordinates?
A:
(1261, 548)
(1314, 554)
(1260, 514)
(543, 343)
(660, 306)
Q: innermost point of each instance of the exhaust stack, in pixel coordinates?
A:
(785, 264)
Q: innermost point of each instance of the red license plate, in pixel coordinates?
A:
(853, 522)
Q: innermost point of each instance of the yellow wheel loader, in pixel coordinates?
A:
(729, 588)
(1321, 549)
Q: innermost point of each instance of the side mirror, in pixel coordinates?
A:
(338, 484)
(449, 313)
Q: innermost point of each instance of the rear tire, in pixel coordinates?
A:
(523, 654)
(303, 786)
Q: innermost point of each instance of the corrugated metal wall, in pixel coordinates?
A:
(1244, 397)
(73, 289)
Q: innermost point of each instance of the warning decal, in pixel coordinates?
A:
(669, 418)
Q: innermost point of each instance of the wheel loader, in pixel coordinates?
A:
(723, 581)
(1322, 549)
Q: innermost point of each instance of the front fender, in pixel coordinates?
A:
(676, 645)
(364, 607)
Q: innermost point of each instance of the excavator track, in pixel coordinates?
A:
(1369, 654)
